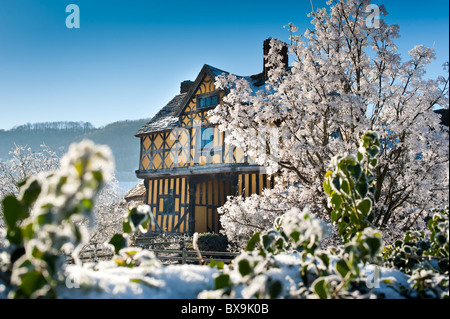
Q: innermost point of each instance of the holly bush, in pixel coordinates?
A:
(339, 272)
(43, 221)
(424, 257)
(43, 225)
(350, 186)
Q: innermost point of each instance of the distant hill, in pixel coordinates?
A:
(119, 136)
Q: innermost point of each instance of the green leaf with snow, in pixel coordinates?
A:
(342, 267)
(364, 206)
(13, 211)
(244, 267)
(275, 289)
(321, 288)
(222, 281)
(119, 242)
(251, 244)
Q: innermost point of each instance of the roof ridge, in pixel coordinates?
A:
(167, 117)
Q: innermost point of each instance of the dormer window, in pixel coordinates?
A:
(207, 101)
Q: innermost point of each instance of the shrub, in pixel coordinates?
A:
(425, 258)
(286, 261)
(337, 271)
(43, 221)
(212, 242)
(350, 187)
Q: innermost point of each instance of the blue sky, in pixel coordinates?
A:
(128, 57)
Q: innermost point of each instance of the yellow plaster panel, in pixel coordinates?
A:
(200, 219)
(166, 186)
(158, 141)
(184, 191)
(192, 105)
(239, 155)
(150, 193)
(246, 185)
(155, 191)
(145, 162)
(175, 222)
(217, 159)
(157, 161)
(146, 142)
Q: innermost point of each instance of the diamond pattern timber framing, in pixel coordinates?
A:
(187, 167)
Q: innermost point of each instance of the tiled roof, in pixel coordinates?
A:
(136, 191)
(167, 118)
(164, 119)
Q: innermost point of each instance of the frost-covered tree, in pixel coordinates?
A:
(346, 77)
(109, 210)
(22, 164)
(25, 163)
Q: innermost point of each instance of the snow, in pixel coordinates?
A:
(107, 281)
(388, 280)
(165, 122)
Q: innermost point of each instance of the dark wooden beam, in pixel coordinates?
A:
(191, 220)
(201, 170)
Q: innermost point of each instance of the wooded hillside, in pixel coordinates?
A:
(119, 136)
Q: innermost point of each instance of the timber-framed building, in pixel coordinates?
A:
(187, 168)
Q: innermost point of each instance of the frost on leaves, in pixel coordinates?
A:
(345, 78)
(43, 219)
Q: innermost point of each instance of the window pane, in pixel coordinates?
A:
(207, 136)
(168, 205)
(214, 100)
(208, 101)
(202, 102)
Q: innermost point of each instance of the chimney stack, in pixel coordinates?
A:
(185, 86)
(284, 53)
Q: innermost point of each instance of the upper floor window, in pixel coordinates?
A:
(208, 101)
(207, 137)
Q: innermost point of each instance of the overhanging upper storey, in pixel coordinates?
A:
(188, 170)
(180, 140)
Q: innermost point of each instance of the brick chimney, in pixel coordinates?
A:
(185, 86)
(284, 53)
